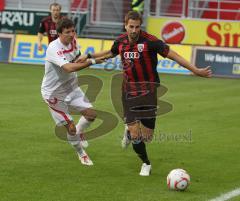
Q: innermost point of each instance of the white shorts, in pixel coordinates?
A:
(74, 103)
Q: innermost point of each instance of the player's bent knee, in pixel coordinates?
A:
(134, 129)
(140, 132)
(134, 135)
(147, 133)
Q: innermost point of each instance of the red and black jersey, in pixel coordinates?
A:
(49, 27)
(139, 61)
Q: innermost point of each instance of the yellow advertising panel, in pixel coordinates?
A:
(26, 51)
(195, 32)
(89, 45)
(107, 44)
(26, 48)
(169, 66)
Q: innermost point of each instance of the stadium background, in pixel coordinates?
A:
(207, 130)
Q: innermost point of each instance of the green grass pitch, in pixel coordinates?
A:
(37, 166)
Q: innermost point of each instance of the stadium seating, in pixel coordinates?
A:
(2, 5)
(42, 5)
(106, 22)
(175, 8)
(81, 5)
(223, 14)
(225, 10)
(105, 18)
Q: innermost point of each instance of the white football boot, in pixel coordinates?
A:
(145, 170)
(84, 158)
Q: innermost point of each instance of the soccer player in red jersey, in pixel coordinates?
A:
(48, 25)
(138, 51)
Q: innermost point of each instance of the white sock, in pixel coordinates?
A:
(74, 140)
(82, 124)
(126, 129)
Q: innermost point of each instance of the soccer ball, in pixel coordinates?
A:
(178, 179)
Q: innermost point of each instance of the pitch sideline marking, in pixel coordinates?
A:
(227, 196)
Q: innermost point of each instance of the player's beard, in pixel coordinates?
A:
(56, 16)
(134, 36)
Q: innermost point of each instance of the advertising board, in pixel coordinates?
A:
(6, 41)
(224, 62)
(195, 32)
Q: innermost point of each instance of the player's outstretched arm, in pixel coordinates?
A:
(203, 72)
(73, 67)
(106, 54)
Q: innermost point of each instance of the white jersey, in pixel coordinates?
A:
(56, 81)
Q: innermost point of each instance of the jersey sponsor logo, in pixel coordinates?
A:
(140, 47)
(131, 55)
(173, 32)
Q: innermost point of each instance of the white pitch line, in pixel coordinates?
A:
(227, 196)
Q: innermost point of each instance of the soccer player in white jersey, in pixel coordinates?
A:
(60, 88)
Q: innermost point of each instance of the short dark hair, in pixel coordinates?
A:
(133, 15)
(64, 23)
(55, 5)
